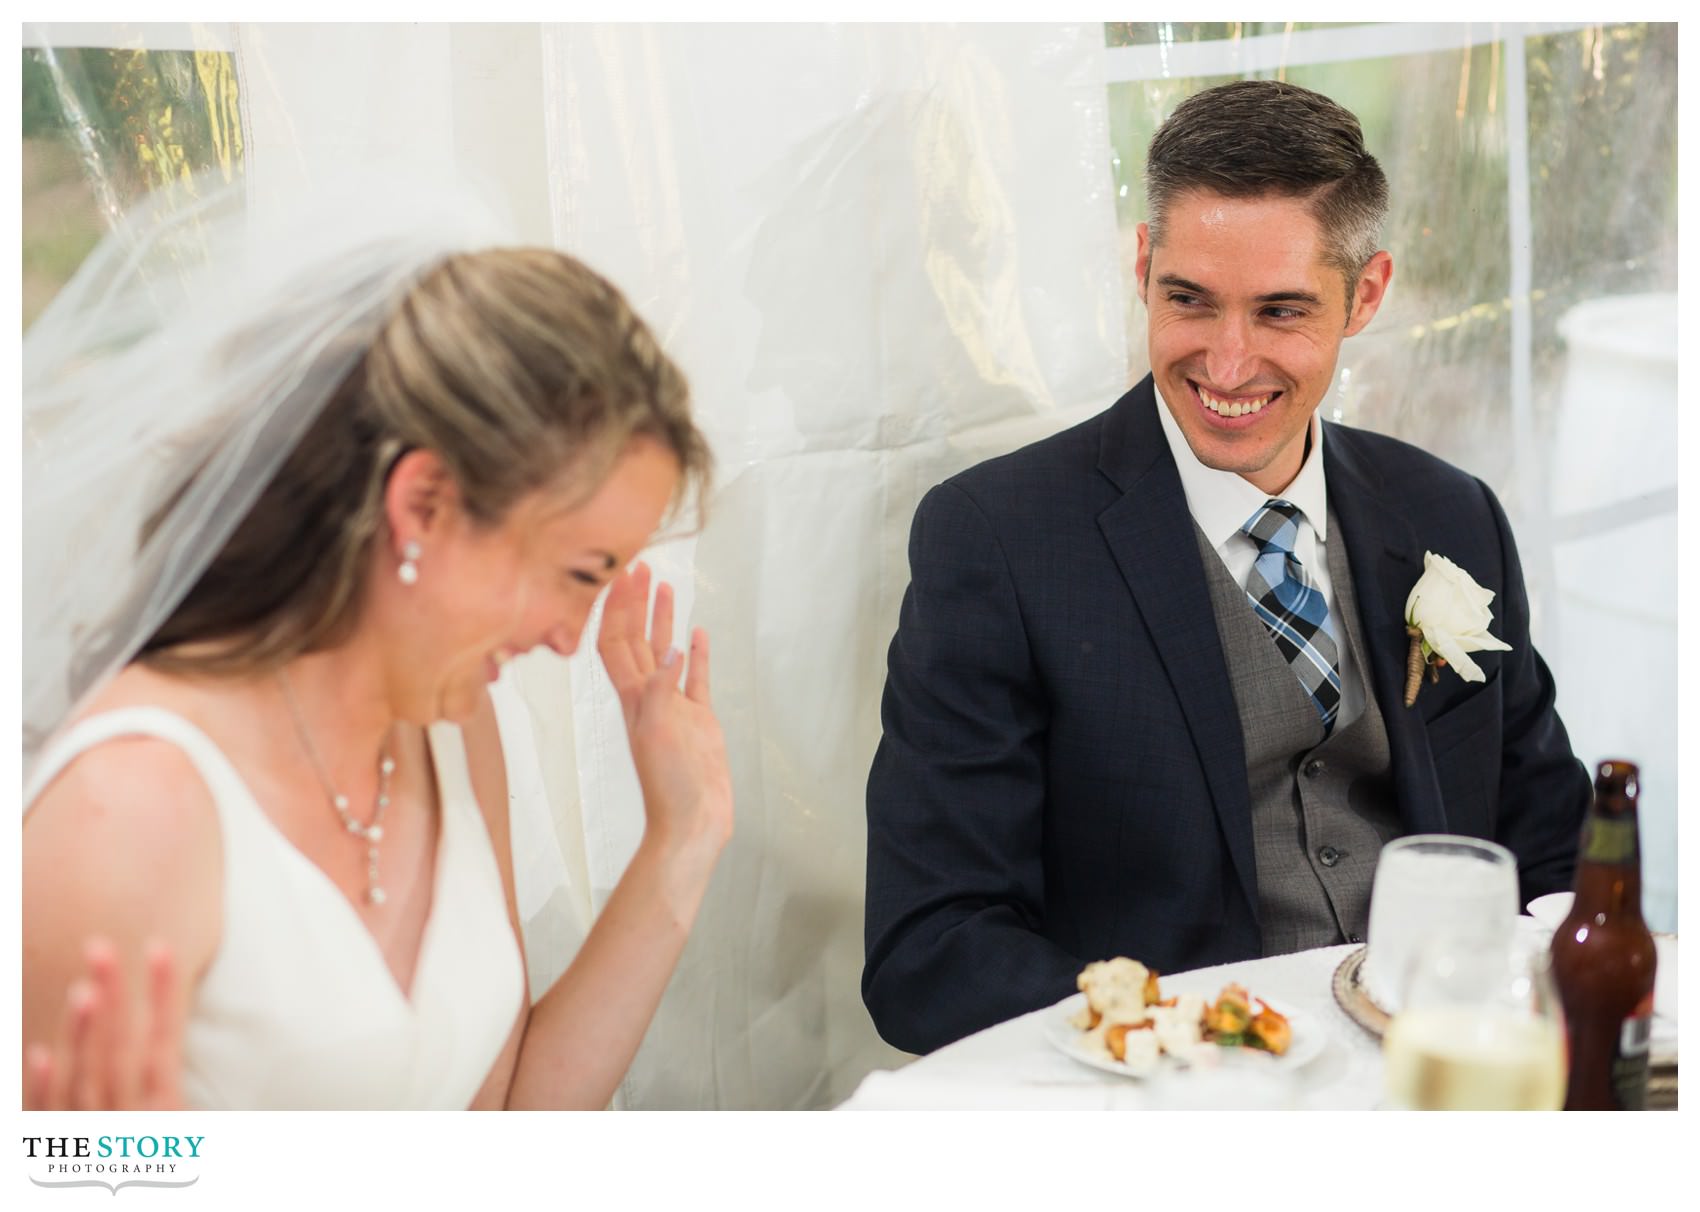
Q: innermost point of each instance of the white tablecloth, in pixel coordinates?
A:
(1013, 1067)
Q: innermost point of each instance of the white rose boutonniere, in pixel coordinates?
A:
(1447, 618)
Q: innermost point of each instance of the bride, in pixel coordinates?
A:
(287, 515)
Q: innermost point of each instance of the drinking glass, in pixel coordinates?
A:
(1433, 884)
(1481, 1029)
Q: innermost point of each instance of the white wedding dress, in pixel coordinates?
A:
(298, 1008)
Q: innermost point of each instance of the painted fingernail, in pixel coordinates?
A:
(672, 657)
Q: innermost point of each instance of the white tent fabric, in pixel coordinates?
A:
(883, 253)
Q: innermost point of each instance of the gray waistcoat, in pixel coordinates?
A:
(1321, 809)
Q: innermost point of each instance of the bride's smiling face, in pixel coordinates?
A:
(486, 593)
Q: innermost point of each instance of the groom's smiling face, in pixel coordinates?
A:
(1246, 320)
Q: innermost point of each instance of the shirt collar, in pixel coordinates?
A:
(1223, 501)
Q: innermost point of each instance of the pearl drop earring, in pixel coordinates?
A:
(408, 571)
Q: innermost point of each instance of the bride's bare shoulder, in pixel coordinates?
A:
(124, 843)
(133, 781)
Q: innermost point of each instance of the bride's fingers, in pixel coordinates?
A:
(614, 640)
(38, 1078)
(621, 640)
(657, 686)
(109, 1031)
(644, 660)
(622, 670)
(615, 611)
(661, 624)
(75, 1084)
(696, 674)
(627, 600)
(167, 1006)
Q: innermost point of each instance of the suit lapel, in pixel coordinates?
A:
(1151, 537)
(1386, 562)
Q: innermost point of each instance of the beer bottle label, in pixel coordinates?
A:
(1636, 1038)
(1609, 841)
(1630, 1057)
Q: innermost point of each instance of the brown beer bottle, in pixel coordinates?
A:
(1603, 958)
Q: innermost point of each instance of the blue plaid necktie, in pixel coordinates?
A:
(1292, 607)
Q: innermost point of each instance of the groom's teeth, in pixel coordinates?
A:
(1232, 408)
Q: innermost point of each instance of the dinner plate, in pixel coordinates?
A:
(1070, 1040)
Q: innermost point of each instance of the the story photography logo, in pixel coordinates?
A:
(114, 1161)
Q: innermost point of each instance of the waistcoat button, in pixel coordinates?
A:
(1328, 855)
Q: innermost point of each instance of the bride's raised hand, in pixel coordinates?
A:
(107, 1056)
(629, 649)
(676, 740)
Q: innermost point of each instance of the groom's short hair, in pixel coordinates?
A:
(1256, 137)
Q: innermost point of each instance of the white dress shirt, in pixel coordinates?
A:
(1223, 501)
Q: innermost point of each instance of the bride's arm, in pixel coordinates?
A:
(121, 878)
(489, 776)
(586, 1029)
(576, 1043)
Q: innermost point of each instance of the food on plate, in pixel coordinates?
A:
(1270, 1031)
(1127, 1018)
(1231, 1014)
(1117, 990)
(1143, 1050)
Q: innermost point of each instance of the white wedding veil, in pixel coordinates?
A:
(175, 372)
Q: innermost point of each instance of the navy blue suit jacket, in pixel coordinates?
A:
(1062, 775)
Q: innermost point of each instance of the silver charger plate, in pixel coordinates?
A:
(1354, 999)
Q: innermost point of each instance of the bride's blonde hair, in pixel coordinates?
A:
(521, 368)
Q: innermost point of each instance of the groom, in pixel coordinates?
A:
(1146, 695)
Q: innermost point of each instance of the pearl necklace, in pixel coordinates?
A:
(370, 834)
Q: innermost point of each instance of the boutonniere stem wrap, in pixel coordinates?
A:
(1447, 618)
